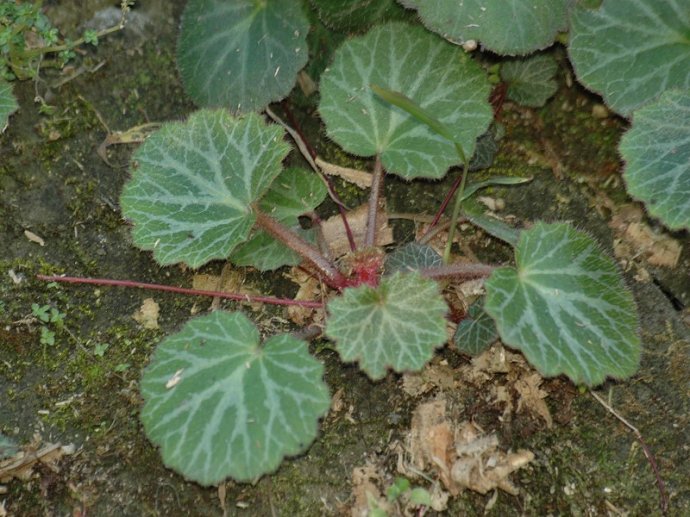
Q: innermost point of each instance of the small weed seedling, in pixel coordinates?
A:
(221, 403)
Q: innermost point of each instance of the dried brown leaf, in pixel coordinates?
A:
(532, 397)
(147, 314)
(336, 238)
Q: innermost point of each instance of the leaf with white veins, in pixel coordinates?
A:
(397, 324)
(194, 182)
(220, 404)
(565, 306)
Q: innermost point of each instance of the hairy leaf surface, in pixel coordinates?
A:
(412, 257)
(566, 307)
(396, 325)
(220, 404)
(193, 183)
(242, 54)
(509, 27)
(438, 77)
(531, 80)
(476, 332)
(632, 51)
(656, 150)
(356, 15)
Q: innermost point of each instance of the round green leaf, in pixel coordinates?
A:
(531, 80)
(193, 184)
(476, 332)
(219, 404)
(656, 150)
(509, 27)
(631, 51)
(566, 307)
(438, 77)
(8, 104)
(396, 325)
(242, 54)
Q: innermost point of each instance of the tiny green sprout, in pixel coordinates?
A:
(42, 312)
(47, 337)
(91, 37)
(99, 349)
(122, 367)
(399, 486)
(420, 497)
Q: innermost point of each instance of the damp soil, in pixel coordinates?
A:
(79, 391)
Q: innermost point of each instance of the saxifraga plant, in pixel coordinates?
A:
(219, 402)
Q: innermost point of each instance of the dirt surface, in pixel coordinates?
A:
(82, 389)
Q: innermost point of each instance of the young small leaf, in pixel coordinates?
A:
(8, 104)
(476, 331)
(566, 307)
(396, 325)
(656, 150)
(630, 52)
(193, 184)
(219, 404)
(412, 257)
(434, 75)
(242, 54)
(508, 27)
(531, 80)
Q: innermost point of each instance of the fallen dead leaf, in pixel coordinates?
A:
(532, 397)
(310, 289)
(336, 238)
(461, 454)
(34, 238)
(147, 314)
(492, 203)
(433, 375)
(230, 281)
(365, 491)
(360, 178)
(635, 239)
(21, 465)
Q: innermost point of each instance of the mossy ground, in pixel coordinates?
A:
(54, 184)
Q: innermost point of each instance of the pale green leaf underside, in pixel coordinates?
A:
(396, 325)
(656, 150)
(219, 404)
(294, 193)
(566, 307)
(435, 75)
(193, 183)
(476, 332)
(631, 51)
(508, 27)
(241, 54)
(8, 104)
(531, 80)
(263, 252)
